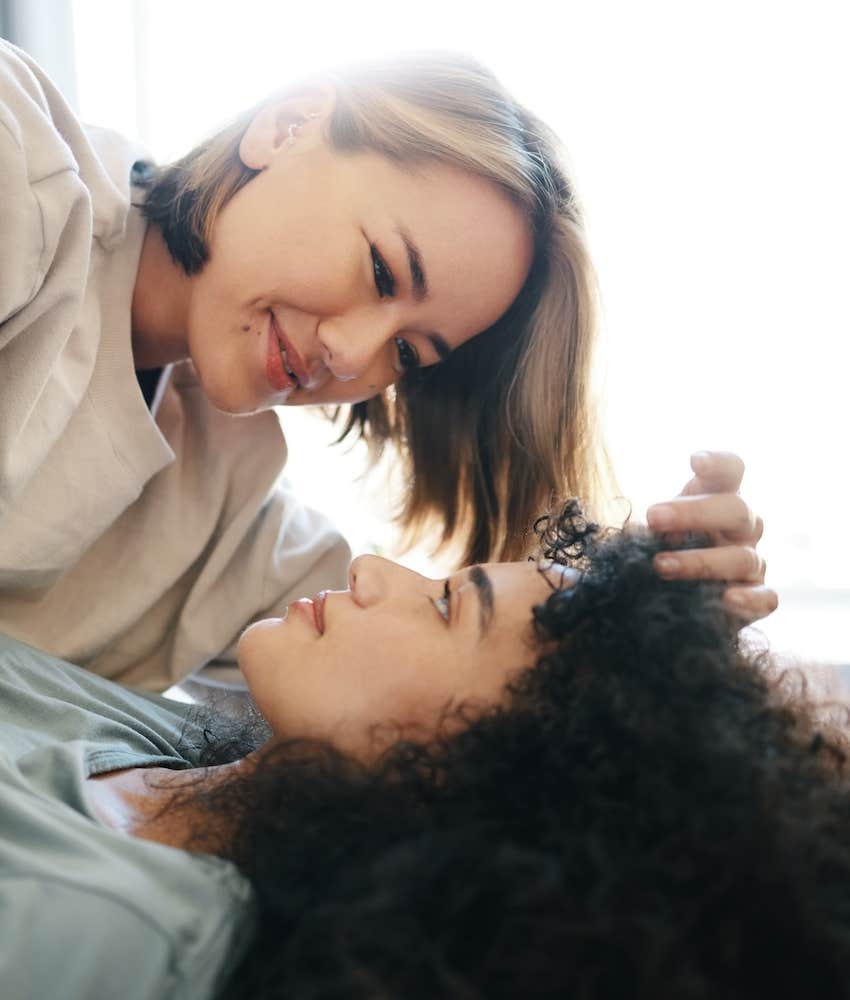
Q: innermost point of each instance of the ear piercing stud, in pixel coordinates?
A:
(295, 127)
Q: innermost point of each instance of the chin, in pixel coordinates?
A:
(251, 648)
(256, 633)
(229, 395)
(237, 408)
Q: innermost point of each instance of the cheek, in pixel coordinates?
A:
(508, 654)
(388, 674)
(278, 237)
(401, 678)
(247, 238)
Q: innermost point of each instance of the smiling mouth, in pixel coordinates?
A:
(286, 367)
(292, 362)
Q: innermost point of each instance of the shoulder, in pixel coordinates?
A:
(107, 946)
(18, 79)
(26, 116)
(38, 180)
(104, 947)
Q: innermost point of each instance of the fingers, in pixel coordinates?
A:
(748, 604)
(723, 514)
(715, 472)
(732, 563)
(747, 598)
(709, 505)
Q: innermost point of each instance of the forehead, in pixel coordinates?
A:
(517, 587)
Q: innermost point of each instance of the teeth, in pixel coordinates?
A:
(287, 369)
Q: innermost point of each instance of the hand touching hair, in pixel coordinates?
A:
(650, 812)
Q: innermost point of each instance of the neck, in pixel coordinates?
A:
(160, 306)
(162, 805)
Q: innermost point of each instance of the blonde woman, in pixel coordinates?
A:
(401, 240)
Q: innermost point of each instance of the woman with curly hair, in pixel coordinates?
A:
(401, 240)
(555, 778)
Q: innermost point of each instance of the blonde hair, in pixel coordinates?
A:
(507, 424)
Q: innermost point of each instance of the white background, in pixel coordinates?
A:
(709, 141)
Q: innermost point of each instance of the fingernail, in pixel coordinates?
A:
(570, 576)
(661, 518)
(700, 459)
(738, 601)
(667, 565)
(563, 577)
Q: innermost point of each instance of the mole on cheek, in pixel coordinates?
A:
(246, 328)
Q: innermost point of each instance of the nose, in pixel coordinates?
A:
(350, 344)
(373, 579)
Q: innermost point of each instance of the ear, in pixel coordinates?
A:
(307, 109)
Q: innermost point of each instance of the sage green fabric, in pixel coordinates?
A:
(86, 912)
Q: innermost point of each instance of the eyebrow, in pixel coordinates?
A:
(414, 263)
(479, 578)
(420, 287)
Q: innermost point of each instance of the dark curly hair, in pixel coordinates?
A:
(652, 812)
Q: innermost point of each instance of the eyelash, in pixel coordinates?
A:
(384, 280)
(442, 604)
(408, 356)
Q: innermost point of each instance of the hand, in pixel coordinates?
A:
(709, 504)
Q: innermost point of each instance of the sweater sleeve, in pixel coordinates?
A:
(45, 247)
(21, 236)
(285, 551)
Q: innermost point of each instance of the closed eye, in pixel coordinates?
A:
(443, 603)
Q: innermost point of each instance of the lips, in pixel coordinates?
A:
(313, 611)
(319, 610)
(292, 361)
(279, 378)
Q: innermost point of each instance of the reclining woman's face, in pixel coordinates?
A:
(396, 648)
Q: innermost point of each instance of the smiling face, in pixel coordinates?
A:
(395, 648)
(359, 268)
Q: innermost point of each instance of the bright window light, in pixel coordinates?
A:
(711, 154)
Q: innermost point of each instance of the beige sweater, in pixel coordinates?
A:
(136, 543)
